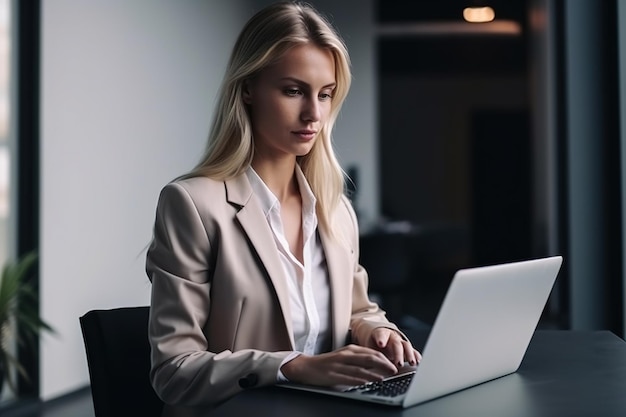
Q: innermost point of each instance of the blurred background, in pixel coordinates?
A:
(469, 143)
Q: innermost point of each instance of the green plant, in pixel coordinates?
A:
(18, 310)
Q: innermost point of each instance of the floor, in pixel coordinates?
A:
(77, 404)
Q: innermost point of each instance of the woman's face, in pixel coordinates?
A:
(290, 102)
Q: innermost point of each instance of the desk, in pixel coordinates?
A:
(564, 373)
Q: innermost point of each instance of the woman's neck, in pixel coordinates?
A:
(279, 176)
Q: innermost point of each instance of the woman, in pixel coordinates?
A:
(254, 259)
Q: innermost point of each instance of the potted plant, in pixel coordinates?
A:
(18, 310)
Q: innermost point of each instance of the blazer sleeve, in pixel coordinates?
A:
(178, 264)
(366, 314)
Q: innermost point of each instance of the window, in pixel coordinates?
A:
(7, 135)
(6, 125)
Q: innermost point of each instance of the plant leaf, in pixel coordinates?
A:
(18, 304)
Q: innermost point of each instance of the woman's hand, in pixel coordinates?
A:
(349, 365)
(394, 347)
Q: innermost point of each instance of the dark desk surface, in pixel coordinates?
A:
(564, 373)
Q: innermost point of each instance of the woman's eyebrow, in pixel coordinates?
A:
(305, 84)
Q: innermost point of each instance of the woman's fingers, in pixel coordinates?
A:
(413, 355)
(365, 358)
(386, 352)
(394, 346)
(350, 365)
(381, 337)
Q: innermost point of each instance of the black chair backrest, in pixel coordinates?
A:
(118, 357)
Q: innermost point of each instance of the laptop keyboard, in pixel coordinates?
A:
(390, 387)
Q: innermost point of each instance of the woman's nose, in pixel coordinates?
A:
(311, 111)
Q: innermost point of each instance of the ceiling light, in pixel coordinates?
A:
(479, 14)
(498, 27)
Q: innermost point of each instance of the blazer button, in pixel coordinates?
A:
(248, 381)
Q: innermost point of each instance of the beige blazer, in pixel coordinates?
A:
(220, 320)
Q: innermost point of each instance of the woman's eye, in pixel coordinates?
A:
(292, 92)
(325, 96)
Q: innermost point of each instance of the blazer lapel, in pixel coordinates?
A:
(254, 224)
(340, 281)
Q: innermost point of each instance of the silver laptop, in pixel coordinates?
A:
(481, 333)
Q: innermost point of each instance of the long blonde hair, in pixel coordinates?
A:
(265, 38)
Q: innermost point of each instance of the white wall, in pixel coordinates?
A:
(127, 92)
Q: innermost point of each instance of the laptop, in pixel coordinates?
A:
(481, 333)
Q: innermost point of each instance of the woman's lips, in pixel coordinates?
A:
(305, 134)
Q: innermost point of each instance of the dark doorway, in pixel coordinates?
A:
(501, 187)
(440, 155)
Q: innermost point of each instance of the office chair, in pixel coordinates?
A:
(118, 358)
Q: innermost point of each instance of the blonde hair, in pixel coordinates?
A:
(265, 38)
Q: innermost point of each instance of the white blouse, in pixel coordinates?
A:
(309, 290)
